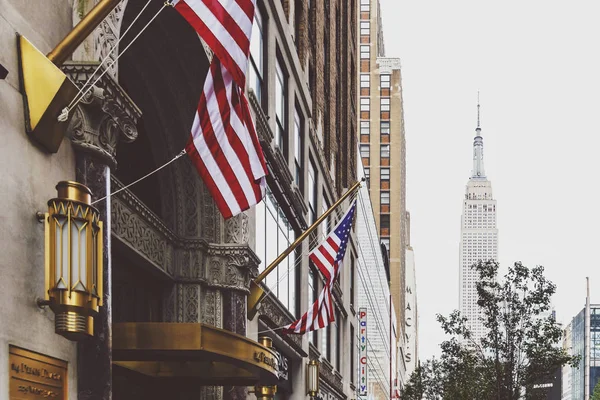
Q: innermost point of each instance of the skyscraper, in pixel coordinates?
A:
(478, 235)
(383, 144)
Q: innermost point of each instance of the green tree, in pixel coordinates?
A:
(521, 348)
(596, 394)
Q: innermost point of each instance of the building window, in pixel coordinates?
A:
(256, 56)
(365, 80)
(274, 234)
(352, 272)
(385, 127)
(325, 342)
(298, 145)
(312, 297)
(365, 52)
(385, 104)
(352, 349)
(312, 191)
(368, 177)
(385, 151)
(385, 174)
(386, 243)
(280, 106)
(365, 131)
(365, 153)
(365, 104)
(384, 220)
(338, 340)
(365, 28)
(385, 198)
(385, 178)
(364, 5)
(365, 127)
(385, 81)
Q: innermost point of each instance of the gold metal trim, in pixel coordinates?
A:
(204, 353)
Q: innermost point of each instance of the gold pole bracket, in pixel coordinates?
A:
(255, 296)
(46, 91)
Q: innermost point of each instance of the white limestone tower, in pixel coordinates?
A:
(478, 235)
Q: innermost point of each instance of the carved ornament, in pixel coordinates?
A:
(104, 116)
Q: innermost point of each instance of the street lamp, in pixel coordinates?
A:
(312, 378)
(73, 233)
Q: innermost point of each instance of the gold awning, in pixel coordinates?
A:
(205, 354)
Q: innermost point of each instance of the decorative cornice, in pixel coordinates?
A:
(387, 65)
(104, 116)
(274, 315)
(265, 133)
(313, 352)
(333, 379)
(224, 266)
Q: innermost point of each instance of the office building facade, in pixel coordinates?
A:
(383, 144)
(478, 236)
(574, 342)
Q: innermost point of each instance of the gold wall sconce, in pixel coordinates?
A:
(312, 378)
(73, 233)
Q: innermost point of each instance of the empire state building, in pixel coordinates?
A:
(478, 236)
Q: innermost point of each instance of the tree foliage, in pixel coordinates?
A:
(596, 394)
(521, 347)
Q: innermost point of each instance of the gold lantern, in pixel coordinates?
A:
(312, 378)
(73, 260)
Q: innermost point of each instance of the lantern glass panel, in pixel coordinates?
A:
(62, 251)
(78, 255)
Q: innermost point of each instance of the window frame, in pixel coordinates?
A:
(281, 90)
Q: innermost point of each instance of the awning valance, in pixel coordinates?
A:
(205, 354)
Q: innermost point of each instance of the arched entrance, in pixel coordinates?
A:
(177, 267)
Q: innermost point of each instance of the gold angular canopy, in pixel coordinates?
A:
(200, 353)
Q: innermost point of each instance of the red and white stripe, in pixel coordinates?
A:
(318, 316)
(226, 27)
(324, 255)
(224, 146)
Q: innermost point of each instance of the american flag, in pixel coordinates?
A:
(226, 27)
(328, 257)
(223, 145)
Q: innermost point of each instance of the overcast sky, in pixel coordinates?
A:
(537, 66)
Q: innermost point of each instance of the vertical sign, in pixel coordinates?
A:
(362, 354)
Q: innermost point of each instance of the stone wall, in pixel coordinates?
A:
(29, 176)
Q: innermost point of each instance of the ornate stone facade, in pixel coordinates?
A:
(104, 116)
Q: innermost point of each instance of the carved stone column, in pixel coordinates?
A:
(105, 116)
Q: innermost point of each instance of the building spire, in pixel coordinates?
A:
(478, 169)
(478, 127)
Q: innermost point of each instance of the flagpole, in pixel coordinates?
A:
(256, 292)
(75, 37)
